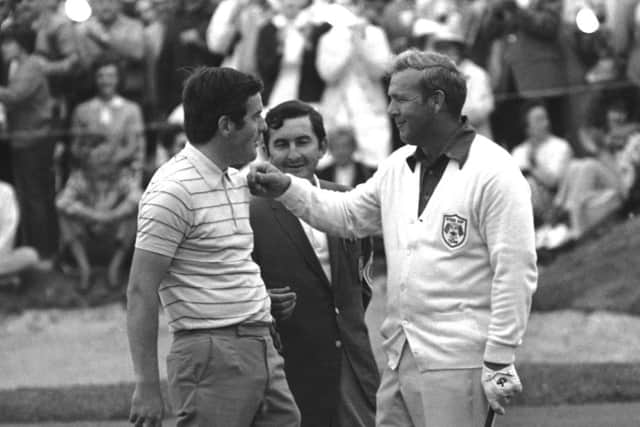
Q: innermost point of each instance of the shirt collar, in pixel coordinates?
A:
(210, 172)
(457, 148)
(116, 102)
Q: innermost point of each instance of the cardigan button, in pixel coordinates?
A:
(336, 310)
(338, 343)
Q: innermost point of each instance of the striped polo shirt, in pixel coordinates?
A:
(198, 215)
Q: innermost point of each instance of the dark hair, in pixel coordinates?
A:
(107, 59)
(210, 93)
(24, 36)
(291, 110)
(439, 72)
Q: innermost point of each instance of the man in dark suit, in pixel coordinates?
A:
(344, 169)
(316, 285)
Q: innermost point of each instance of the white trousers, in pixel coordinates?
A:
(439, 398)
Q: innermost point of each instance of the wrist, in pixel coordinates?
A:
(495, 366)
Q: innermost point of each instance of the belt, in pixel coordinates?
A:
(252, 329)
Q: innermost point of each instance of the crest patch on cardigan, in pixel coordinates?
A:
(454, 230)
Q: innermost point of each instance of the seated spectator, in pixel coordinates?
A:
(28, 103)
(13, 260)
(111, 115)
(592, 191)
(98, 207)
(479, 103)
(344, 169)
(352, 60)
(543, 159)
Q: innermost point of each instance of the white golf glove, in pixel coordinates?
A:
(500, 386)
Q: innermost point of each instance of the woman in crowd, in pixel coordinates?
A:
(113, 116)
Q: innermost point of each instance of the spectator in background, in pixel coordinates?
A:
(233, 32)
(353, 57)
(633, 63)
(593, 190)
(373, 11)
(543, 159)
(98, 207)
(184, 47)
(286, 54)
(534, 63)
(116, 118)
(397, 21)
(344, 169)
(57, 50)
(154, 30)
(13, 260)
(6, 12)
(110, 31)
(28, 103)
(479, 103)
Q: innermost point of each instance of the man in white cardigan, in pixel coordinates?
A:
(456, 217)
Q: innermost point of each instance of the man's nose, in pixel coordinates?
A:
(293, 151)
(391, 108)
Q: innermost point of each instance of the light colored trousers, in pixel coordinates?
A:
(229, 377)
(439, 398)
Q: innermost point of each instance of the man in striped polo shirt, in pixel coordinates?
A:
(193, 249)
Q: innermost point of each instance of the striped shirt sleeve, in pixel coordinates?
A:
(164, 218)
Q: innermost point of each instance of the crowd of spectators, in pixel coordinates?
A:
(107, 90)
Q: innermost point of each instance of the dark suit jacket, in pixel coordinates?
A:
(363, 173)
(269, 57)
(535, 55)
(325, 313)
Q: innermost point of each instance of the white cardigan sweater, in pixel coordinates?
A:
(457, 299)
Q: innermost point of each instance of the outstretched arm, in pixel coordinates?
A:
(352, 214)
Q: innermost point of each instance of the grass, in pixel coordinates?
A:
(545, 384)
(600, 273)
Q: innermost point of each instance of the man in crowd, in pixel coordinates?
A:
(456, 217)
(193, 250)
(316, 284)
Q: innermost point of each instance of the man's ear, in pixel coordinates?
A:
(225, 125)
(438, 100)
(323, 145)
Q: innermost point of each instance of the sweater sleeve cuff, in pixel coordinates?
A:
(293, 195)
(499, 353)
